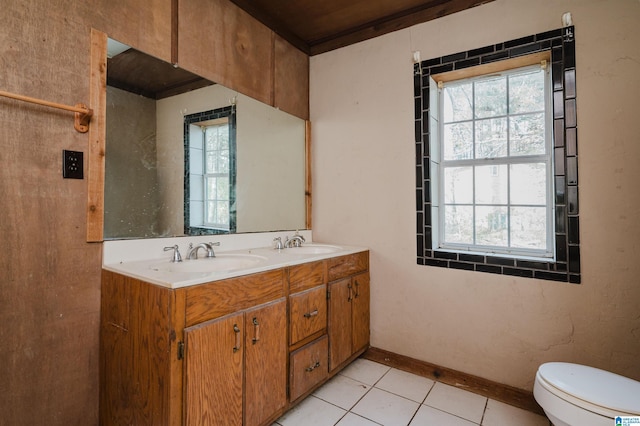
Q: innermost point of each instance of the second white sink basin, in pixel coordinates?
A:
(314, 249)
(221, 263)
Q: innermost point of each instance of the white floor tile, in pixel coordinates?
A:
(429, 416)
(342, 391)
(365, 371)
(312, 412)
(405, 384)
(353, 420)
(386, 408)
(499, 413)
(457, 401)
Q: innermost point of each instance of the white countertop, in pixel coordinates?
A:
(159, 270)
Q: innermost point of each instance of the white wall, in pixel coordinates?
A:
(497, 327)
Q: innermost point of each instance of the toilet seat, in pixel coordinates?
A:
(592, 389)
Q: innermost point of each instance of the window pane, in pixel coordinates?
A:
(527, 134)
(222, 188)
(458, 141)
(457, 102)
(211, 185)
(528, 227)
(223, 213)
(491, 184)
(458, 227)
(211, 212)
(491, 97)
(491, 226)
(223, 161)
(526, 92)
(491, 138)
(529, 184)
(458, 185)
(211, 164)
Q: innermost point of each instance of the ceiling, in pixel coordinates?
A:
(318, 26)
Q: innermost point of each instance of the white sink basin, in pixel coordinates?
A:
(314, 249)
(221, 263)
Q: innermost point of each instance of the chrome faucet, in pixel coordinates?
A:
(295, 241)
(193, 251)
(176, 253)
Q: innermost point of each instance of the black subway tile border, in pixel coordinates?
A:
(566, 266)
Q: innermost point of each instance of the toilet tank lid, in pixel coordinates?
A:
(593, 385)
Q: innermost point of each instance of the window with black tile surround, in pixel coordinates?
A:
(230, 112)
(566, 265)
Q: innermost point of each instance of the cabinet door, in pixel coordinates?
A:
(308, 313)
(265, 362)
(340, 322)
(360, 311)
(213, 372)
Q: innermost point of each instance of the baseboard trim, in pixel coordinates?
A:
(504, 393)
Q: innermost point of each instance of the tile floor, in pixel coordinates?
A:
(370, 394)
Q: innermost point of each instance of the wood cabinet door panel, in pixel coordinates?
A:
(340, 322)
(306, 276)
(213, 300)
(307, 313)
(344, 266)
(360, 311)
(265, 362)
(309, 367)
(213, 372)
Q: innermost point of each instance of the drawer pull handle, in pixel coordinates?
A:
(350, 297)
(311, 314)
(256, 331)
(313, 367)
(236, 330)
(357, 290)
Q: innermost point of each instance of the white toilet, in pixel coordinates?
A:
(577, 395)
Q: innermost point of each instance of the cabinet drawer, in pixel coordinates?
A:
(308, 367)
(219, 298)
(305, 276)
(343, 266)
(308, 311)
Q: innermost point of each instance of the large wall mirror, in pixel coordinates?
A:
(186, 156)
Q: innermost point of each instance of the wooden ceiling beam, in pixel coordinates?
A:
(417, 15)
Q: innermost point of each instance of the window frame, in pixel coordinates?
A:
(437, 173)
(559, 45)
(196, 120)
(218, 123)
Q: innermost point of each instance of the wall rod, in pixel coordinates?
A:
(82, 116)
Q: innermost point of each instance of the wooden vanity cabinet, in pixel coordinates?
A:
(349, 307)
(225, 352)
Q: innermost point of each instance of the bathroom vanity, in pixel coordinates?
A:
(232, 347)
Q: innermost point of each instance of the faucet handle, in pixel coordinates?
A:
(176, 253)
(217, 243)
(278, 243)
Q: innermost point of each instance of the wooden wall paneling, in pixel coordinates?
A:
(143, 24)
(97, 137)
(291, 79)
(221, 42)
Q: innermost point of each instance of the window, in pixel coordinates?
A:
(504, 125)
(210, 172)
(494, 178)
(216, 174)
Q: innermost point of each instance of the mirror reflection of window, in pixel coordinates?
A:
(211, 164)
(216, 175)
